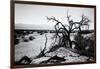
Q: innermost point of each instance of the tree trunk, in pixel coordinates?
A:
(70, 42)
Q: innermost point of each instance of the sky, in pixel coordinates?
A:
(35, 15)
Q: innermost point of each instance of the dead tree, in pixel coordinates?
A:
(68, 29)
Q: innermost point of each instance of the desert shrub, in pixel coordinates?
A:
(19, 35)
(23, 37)
(24, 33)
(28, 32)
(19, 32)
(15, 35)
(85, 45)
(41, 33)
(16, 41)
(79, 39)
(31, 38)
(25, 40)
(89, 50)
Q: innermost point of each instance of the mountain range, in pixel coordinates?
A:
(33, 27)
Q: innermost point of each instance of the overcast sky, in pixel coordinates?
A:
(36, 14)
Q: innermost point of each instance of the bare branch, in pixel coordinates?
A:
(45, 42)
(75, 28)
(84, 20)
(42, 53)
(58, 22)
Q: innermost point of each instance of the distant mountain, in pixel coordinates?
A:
(33, 27)
(42, 27)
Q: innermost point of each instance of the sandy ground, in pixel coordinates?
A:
(33, 48)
